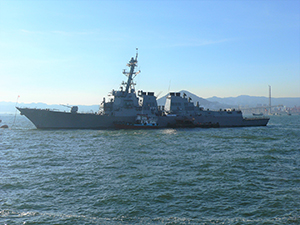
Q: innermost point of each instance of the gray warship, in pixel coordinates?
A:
(124, 106)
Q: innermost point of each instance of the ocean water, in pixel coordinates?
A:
(169, 176)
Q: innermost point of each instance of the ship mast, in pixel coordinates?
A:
(132, 64)
(270, 106)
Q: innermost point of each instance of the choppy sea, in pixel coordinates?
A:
(168, 176)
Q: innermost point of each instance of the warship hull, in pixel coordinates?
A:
(47, 119)
(229, 121)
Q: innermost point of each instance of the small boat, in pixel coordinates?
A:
(257, 114)
(142, 122)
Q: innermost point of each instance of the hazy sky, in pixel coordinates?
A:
(73, 52)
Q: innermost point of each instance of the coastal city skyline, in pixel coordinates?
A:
(74, 52)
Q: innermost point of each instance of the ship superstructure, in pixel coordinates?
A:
(125, 105)
(123, 102)
(193, 115)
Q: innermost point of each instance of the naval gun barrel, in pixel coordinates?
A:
(74, 109)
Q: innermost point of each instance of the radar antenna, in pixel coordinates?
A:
(137, 53)
(131, 74)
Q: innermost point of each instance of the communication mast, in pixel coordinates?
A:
(132, 64)
(270, 106)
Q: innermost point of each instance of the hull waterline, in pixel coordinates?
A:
(47, 119)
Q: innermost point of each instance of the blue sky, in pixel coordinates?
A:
(73, 52)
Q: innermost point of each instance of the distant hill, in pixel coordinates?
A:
(9, 107)
(235, 102)
(253, 101)
(209, 103)
(202, 102)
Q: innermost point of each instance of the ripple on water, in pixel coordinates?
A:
(170, 176)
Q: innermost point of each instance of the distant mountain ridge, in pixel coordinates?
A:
(252, 101)
(211, 103)
(9, 107)
(235, 102)
(202, 102)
